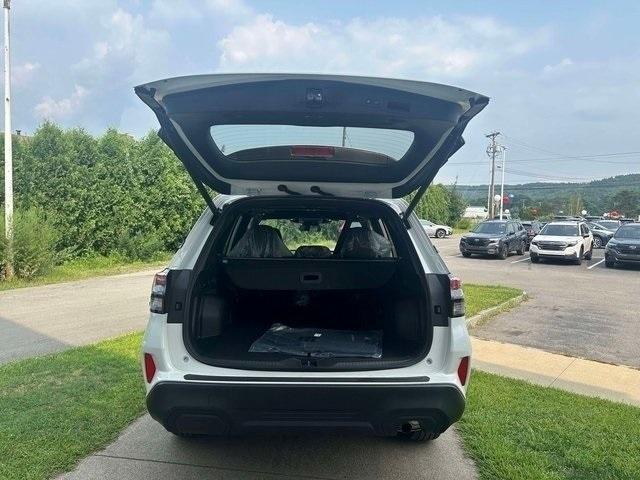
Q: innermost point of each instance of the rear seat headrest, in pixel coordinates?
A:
(261, 241)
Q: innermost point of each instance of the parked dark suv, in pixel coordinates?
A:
(533, 228)
(495, 237)
(624, 247)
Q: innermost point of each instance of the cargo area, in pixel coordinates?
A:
(269, 298)
(384, 309)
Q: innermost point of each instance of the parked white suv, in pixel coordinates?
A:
(435, 230)
(300, 300)
(569, 240)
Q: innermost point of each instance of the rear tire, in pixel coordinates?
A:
(466, 254)
(188, 436)
(440, 233)
(597, 242)
(417, 436)
(589, 254)
(522, 248)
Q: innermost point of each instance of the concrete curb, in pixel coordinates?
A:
(486, 314)
(618, 383)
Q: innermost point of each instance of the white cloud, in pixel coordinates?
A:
(561, 65)
(425, 47)
(24, 73)
(52, 109)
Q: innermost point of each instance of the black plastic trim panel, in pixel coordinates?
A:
(221, 409)
(212, 378)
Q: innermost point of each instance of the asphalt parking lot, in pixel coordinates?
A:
(587, 310)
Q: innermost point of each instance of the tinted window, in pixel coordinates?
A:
(628, 232)
(610, 224)
(560, 230)
(233, 138)
(491, 227)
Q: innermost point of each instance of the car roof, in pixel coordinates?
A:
(566, 222)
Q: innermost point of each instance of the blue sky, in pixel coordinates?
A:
(564, 77)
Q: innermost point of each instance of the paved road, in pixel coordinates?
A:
(145, 450)
(39, 320)
(588, 311)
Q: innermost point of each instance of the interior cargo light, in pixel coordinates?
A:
(463, 370)
(149, 367)
(310, 151)
(158, 292)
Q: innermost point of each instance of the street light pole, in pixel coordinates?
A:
(8, 152)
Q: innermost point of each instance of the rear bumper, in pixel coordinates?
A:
(236, 408)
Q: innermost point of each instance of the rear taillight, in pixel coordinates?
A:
(149, 367)
(158, 292)
(457, 297)
(463, 370)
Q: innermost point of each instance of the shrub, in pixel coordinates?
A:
(34, 239)
(464, 224)
(140, 246)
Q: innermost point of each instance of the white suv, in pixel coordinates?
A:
(300, 300)
(569, 240)
(435, 230)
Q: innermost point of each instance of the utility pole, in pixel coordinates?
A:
(492, 150)
(504, 162)
(8, 153)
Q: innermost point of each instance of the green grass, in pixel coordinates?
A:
(517, 430)
(59, 408)
(81, 268)
(481, 297)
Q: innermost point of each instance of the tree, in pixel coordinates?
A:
(440, 205)
(626, 201)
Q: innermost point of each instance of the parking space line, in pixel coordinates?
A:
(522, 260)
(595, 264)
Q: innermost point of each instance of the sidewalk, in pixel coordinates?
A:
(613, 382)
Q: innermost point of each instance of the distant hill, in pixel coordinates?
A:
(596, 196)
